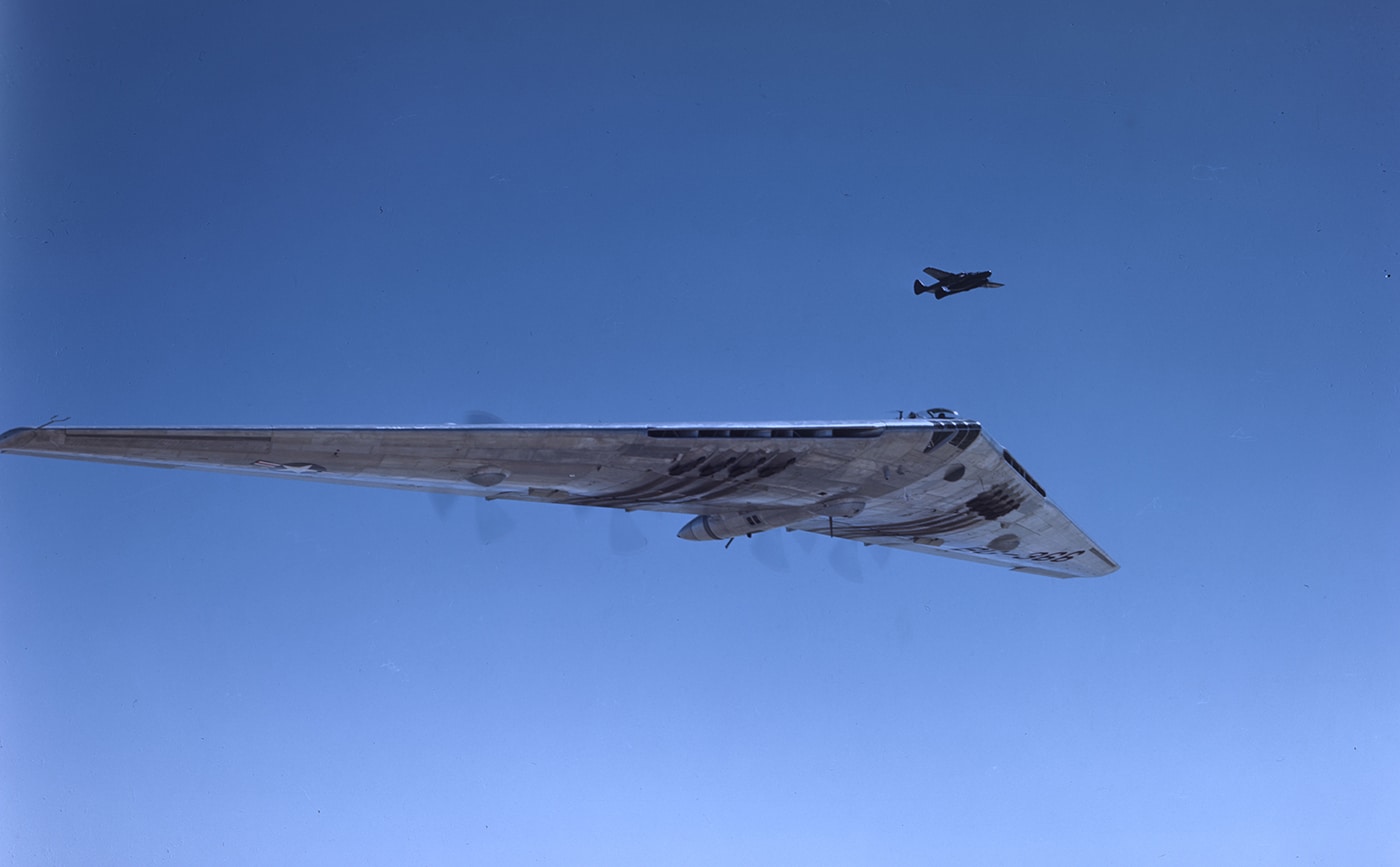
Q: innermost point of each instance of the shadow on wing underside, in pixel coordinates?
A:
(726, 475)
(959, 434)
(990, 505)
(694, 477)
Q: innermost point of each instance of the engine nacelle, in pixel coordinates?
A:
(713, 528)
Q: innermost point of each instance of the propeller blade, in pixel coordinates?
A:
(624, 536)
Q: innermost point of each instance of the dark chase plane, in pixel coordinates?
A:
(952, 284)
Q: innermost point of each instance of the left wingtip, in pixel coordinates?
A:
(12, 434)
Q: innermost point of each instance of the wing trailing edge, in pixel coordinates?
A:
(932, 485)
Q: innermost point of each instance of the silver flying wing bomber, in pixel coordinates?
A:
(937, 485)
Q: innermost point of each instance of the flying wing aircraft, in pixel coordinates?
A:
(952, 284)
(938, 485)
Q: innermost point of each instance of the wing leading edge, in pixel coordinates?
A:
(938, 486)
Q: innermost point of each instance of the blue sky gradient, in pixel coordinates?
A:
(374, 214)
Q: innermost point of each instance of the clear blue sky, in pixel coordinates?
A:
(270, 213)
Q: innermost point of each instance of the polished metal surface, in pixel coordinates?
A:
(933, 485)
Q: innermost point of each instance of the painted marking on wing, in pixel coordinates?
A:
(289, 468)
(1035, 557)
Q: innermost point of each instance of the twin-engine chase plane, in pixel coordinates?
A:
(952, 284)
(936, 485)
